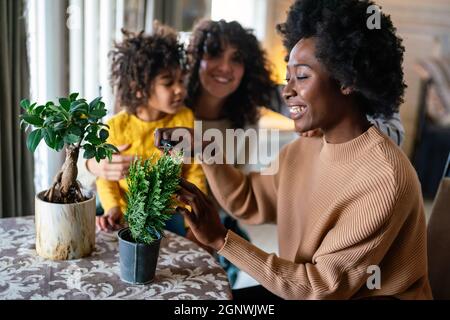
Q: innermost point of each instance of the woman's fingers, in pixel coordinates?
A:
(188, 215)
(191, 200)
(193, 189)
(162, 133)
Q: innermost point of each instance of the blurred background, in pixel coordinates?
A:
(52, 47)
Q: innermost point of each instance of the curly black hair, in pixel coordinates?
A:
(138, 59)
(367, 59)
(256, 86)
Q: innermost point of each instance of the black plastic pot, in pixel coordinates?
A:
(137, 261)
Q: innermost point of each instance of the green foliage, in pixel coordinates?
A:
(72, 122)
(151, 187)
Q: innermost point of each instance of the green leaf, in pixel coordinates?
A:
(23, 125)
(50, 137)
(71, 138)
(65, 103)
(89, 151)
(33, 120)
(97, 114)
(93, 139)
(38, 110)
(33, 139)
(109, 154)
(94, 103)
(104, 134)
(75, 130)
(25, 104)
(59, 125)
(103, 125)
(79, 106)
(88, 154)
(111, 147)
(93, 128)
(59, 143)
(101, 153)
(73, 96)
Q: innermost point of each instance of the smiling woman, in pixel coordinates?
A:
(344, 204)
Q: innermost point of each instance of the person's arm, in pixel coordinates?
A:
(108, 193)
(113, 170)
(338, 269)
(251, 198)
(392, 127)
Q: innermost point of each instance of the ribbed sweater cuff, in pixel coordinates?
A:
(245, 256)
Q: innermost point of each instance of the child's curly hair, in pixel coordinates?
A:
(369, 60)
(138, 59)
(256, 84)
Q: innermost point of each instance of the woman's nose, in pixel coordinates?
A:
(288, 91)
(225, 65)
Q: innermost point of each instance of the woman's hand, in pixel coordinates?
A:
(204, 219)
(180, 138)
(110, 221)
(115, 170)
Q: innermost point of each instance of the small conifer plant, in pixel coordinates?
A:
(151, 187)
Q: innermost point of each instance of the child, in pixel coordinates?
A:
(147, 72)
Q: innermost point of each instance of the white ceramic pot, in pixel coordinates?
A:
(64, 231)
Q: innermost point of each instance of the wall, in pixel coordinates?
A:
(424, 27)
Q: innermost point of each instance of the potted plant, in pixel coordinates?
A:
(64, 214)
(151, 186)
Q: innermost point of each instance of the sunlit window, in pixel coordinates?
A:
(250, 13)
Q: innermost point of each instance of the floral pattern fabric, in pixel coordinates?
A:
(184, 272)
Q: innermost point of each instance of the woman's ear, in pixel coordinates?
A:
(138, 94)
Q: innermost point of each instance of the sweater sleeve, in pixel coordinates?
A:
(252, 198)
(339, 268)
(109, 194)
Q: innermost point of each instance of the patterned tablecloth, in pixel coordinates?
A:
(184, 271)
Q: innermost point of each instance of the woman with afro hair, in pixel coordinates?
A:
(347, 205)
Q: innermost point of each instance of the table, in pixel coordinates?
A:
(184, 271)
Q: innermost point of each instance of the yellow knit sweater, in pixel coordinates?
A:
(126, 128)
(340, 209)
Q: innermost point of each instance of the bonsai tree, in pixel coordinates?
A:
(72, 125)
(151, 186)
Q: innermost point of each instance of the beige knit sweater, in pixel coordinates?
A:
(339, 209)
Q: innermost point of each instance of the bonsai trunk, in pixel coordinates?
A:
(65, 187)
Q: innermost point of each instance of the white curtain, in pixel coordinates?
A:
(69, 42)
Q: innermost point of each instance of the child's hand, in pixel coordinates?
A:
(110, 221)
(115, 170)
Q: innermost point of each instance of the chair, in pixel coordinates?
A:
(432, 141)
(438, 234)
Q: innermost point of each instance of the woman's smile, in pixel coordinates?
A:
(222, 79)
(297, 111)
